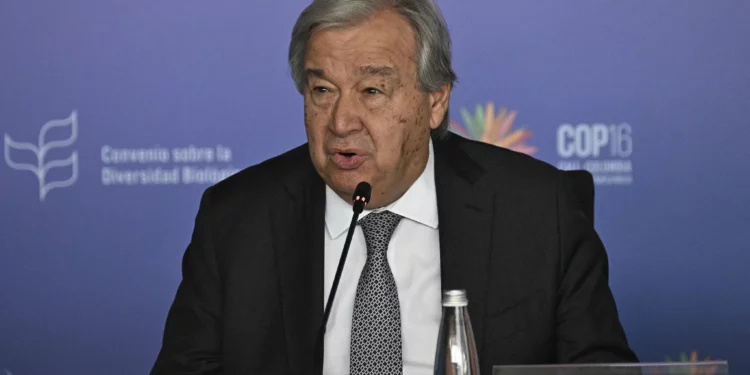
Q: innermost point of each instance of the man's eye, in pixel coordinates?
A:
(372, 90)
(320, 89)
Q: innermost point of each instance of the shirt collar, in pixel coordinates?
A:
(418, 204)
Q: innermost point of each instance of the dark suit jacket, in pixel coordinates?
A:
(511, 234)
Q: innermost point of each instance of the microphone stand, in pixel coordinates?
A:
(360, 199)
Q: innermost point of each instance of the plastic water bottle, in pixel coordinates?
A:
(456, 350)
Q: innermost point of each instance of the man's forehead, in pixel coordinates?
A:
(377, 70)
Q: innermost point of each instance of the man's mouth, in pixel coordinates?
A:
(347, 159)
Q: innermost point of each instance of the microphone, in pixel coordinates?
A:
(360, 198)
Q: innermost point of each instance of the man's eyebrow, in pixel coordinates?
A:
(314, 72)
(377, 70)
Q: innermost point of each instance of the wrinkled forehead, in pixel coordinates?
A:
(386, 72)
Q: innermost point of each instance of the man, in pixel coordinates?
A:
(445, 213)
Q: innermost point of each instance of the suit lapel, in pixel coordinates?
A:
(465, 212)
(298, 241)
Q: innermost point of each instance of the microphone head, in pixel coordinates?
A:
(361, 196)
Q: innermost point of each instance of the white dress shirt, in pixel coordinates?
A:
(414, 258)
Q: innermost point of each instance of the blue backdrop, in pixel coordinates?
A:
(116, 115)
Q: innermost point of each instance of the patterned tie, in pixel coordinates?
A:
(376, 324)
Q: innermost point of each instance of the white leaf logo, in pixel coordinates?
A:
(40, 151)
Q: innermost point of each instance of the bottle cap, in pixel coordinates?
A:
(455, 298)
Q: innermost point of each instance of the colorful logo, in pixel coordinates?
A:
(705, 366)
(685, 357)
(496, 129)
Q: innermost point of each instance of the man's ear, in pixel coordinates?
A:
(439, 102)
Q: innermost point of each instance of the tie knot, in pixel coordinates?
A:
(378, 228)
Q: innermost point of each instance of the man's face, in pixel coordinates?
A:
(365, 116)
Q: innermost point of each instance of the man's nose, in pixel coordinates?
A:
(346, 115)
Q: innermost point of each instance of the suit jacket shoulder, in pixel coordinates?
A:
(245, 199)
(261, 184)
(504, 167)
